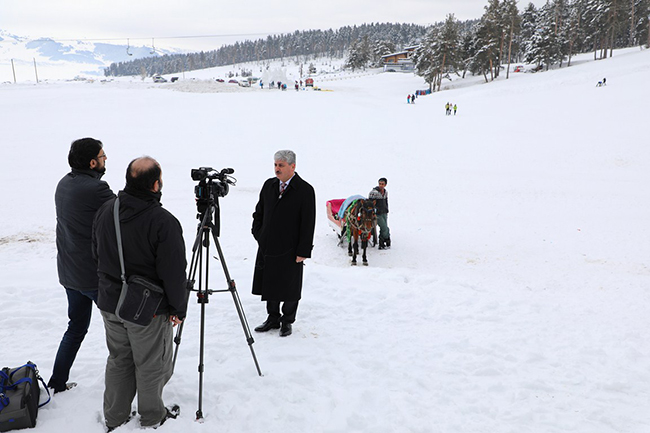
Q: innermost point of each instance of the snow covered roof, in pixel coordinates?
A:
(395, 54)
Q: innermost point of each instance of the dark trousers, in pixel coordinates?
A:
(80, 308)
(139, 362)
(384, 231)
(289, 309)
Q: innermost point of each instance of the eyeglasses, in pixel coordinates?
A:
(102, 156)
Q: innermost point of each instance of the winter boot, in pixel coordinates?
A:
(388, 243)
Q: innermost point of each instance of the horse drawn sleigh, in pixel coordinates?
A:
(353, 218)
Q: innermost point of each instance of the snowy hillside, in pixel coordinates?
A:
(63, 59)
(515, 296)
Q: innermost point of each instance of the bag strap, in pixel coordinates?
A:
(46, 389)
(39, 378)
(6, 383)
(118, 233)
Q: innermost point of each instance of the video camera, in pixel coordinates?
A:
(212, 185)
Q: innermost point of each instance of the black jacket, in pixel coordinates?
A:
(284, 229)
(381, 200)
(152, 240)
(78, 197)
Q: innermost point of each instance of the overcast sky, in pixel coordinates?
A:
(166, 20)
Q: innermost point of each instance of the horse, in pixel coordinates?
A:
(360, 221)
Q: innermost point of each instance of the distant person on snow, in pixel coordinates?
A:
(604, 81)
(408, 99)
(447, 109)
(380, 195)
(455, 108)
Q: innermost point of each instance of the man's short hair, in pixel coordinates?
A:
(83, 151)
(144, 178)
(288, 156)
(383, 179)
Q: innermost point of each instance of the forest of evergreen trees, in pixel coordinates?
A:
(300, 44)
(543, 36)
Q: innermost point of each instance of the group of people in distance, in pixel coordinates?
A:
(448, 107)
(140, 357)
(410, 99)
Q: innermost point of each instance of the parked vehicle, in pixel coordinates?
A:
(219, 80)
(309, 82)
(159, 79)
(233, 81)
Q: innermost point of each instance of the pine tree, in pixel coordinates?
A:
(546, 44)
(439, 53)
(423, 57)
(513, 25)
(485, 48)
(495, 26)
(359, 54)
(575, 32)
(381, 48)
(641, 23)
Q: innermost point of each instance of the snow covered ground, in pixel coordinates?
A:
(515, 296)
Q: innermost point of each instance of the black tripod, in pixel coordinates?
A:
(206, 228)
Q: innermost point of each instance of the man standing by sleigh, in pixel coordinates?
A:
(380, 195)
(283, 226)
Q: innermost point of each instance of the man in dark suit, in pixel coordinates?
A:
(283, 226)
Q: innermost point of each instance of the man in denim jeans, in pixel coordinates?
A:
(78, 197)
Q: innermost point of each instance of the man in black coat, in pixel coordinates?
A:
(78, 196)
(283, 226)
(140, 358)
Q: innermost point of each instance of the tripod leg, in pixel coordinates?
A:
(235, 296)
(199, 412)
(177, 342)
(194, 264)
(244, 324)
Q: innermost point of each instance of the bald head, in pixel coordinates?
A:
(144, 174)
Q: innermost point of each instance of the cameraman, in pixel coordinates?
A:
(140, 358)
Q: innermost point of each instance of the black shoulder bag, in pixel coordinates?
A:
(140, 297)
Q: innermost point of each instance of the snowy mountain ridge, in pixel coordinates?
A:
(55, 56)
